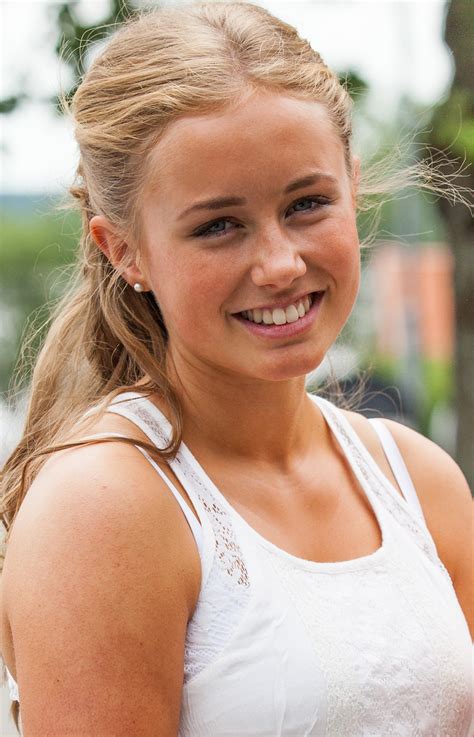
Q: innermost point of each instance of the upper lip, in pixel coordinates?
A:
(281, 305)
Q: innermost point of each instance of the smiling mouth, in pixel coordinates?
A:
(280, 315)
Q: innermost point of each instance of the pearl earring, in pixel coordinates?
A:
(138, 287)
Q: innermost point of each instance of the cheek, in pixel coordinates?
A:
(340, 253)
(190, 287)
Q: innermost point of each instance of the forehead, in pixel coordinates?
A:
(266, 138)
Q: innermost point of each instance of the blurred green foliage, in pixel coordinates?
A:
(75, 38)
(453, 128)
(438, 380)
(37, 246)
(455, 124)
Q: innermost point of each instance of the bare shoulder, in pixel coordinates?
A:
(438, 480)
(440, 484)
(97, 585)
(444, 496)
(100, 489)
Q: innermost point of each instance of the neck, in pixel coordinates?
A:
(245, 418)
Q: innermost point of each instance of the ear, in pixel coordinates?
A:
(355, 178)
(115, 249)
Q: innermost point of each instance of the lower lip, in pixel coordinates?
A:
(289, 329)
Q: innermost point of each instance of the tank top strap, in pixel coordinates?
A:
(360, 460)
(143, 413)
(397, 464)
(195, 526)
(12, 685)
(380, 491)
(193, 523)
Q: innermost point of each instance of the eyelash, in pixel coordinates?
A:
(205, 230)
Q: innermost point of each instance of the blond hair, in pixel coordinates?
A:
(158, 67)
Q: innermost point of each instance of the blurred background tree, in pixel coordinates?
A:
(453, 127)
(38, 240)
(73, 37)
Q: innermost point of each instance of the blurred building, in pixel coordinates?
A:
(409, 320)
(413, 300)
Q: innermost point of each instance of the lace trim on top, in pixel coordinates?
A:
(226, 590)
(225, 583)
(380, 487)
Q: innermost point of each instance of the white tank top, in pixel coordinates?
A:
(279, 646)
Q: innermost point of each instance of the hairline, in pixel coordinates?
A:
(249, 88)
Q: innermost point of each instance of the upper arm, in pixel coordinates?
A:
(97, 593)
(447, 506)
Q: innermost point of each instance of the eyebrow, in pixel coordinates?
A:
(218, 203)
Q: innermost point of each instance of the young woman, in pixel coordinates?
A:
(197, 546)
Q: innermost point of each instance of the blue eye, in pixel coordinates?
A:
(223, 226)
(308, 204)
(216, 228)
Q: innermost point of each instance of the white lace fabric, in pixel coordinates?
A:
(225, 585)
(283, 647)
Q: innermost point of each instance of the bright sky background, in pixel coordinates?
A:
(396, 45)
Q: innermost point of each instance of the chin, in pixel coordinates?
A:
(284, 370)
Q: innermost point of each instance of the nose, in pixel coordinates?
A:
(278, 262)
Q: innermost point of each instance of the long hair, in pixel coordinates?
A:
(159, 66)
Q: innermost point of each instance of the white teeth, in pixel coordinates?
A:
(279, 316)
(291, 313)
